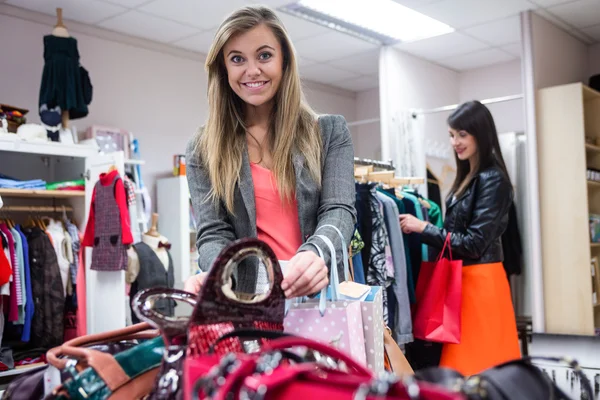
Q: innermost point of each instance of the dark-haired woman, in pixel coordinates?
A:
(476, 216)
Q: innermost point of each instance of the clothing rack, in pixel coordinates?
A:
(376, 164)
(419, 111)
(451, 107)
(35, 209)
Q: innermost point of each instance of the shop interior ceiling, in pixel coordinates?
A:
(487, 32)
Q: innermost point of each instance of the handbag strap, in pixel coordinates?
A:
(134, 332)
(324, 349)
(144, 301)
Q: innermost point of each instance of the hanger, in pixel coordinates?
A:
(153, 231)
(112, 168)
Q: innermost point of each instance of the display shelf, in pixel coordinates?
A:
(593, 184)
(47, 148)
(592, 148)
(132, 161)
(21, 370)
(55, 194)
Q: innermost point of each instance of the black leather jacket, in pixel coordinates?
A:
(476, 220)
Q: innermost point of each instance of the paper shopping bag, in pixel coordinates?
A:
(373, 326)
(437, 315)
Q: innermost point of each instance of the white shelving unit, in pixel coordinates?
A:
(105, 291)
(173, 207)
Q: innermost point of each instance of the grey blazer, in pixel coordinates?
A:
(333, 204)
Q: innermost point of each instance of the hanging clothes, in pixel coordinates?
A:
(61, 242)
(108, 229)
(47, 326)
(15, 299)
(29, 304)
(433, 188)
(402, 327)
(81, 294)
(75, 249)
(21, 266)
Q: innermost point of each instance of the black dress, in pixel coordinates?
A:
(64, 82)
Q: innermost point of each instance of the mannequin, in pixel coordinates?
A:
(150, 265)
(60, 30)
(152, 238)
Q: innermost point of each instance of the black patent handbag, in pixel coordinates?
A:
(513, 380)
(168, 384)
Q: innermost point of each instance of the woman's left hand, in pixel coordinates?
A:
(410, 224)
(306, 274)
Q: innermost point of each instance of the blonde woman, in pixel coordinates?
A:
(265, 165)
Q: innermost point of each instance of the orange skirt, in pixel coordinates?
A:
(488, 327)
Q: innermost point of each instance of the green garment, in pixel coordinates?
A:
(435, 214)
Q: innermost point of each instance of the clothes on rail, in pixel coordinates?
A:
(37, 279)
(383, 256)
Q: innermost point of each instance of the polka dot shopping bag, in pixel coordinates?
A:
(331, 320)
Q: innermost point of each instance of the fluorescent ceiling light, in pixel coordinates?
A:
(382, 21)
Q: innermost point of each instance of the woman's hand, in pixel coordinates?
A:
(194, 283)
(306, 274)
(410, 224)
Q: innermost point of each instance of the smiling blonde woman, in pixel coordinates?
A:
(265, 165)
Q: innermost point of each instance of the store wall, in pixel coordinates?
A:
(496, 81)
(408, 82)
(558, 57)
(367, 137)
(159, 96)
(594, 59)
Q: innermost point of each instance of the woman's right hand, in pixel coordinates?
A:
(194, 283)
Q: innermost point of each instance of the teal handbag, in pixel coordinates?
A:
(98, 376)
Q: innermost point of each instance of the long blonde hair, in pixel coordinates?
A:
(293, 125)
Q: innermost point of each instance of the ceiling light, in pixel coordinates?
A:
(379, 21)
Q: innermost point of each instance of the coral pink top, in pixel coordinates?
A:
(277, 223)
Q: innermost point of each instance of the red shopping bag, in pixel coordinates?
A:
(439, 296)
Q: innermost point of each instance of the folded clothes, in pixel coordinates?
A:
(8, 182)
(66, 185)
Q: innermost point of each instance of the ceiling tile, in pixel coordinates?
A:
(325, 73)
(200, 42)
(415, 4)
(464, 13)
(137, 24)
(593, 31)
(580, 14)
(444, 46)
(549, 3)
(331, 46)
(552, 18)
(299, 28)
(363, 63)
(85, 11)
(272, 3)
(359, 84)
(193, 12)
(477, 59)
(497, 33)
(304, 62)
(127, 3)
(513, 48)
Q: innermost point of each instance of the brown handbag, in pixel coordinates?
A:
(394, 358)
(134, 332)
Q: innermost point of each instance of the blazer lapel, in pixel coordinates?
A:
(298, 161)
(247, 190)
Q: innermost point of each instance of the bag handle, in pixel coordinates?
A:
(344, 249)
(322, 348)
(134, 332)
(143, 306)
(215, 306)
(248, 333)
(447, 244)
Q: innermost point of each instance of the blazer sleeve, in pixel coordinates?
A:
(215, 231)
(336, 205)
(493, 199)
